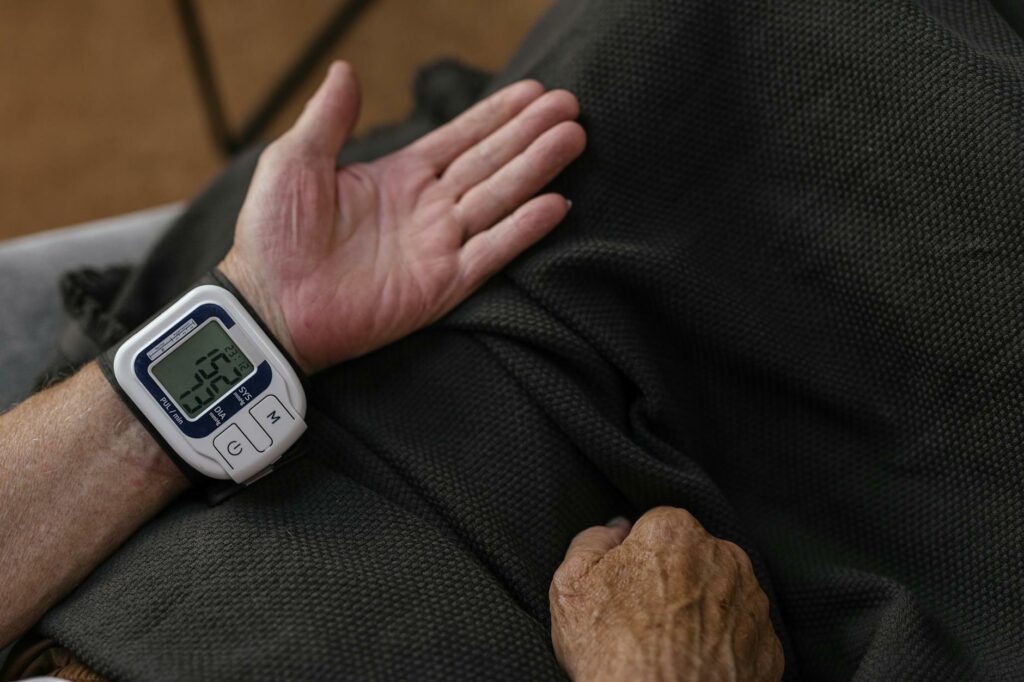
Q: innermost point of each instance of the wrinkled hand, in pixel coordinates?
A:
(663, 601)
(339, 262)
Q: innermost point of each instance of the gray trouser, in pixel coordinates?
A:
(31, 314)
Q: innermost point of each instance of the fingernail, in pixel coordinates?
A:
(618, 522)
(568, 203)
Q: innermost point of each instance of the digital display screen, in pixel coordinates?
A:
(203, 369)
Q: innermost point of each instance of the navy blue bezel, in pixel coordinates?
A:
(228, 406)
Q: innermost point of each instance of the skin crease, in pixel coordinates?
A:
(339, 262)
(663, 600)
(343, 261)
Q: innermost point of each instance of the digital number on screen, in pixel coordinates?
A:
(206, 367)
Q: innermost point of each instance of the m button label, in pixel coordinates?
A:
(272, 416)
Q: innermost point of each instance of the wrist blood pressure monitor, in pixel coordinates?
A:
(214, 386)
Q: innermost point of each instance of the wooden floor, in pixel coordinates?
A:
(100, 114)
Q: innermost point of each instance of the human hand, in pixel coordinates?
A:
(663, 601)
(339, 262)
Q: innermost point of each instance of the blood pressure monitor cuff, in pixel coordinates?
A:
(213, 489)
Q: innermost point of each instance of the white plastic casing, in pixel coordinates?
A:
(243, 433)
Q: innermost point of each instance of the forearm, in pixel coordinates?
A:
(78, 475)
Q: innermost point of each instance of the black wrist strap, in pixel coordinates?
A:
(213, 489)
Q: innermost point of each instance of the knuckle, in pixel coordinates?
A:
(743, 564)
(486, 155)
(499, 199)
(574, 567)
(656, 515)
(568, 579)
(773, 651)
(556, 589)
(669, 518)
(760, 603)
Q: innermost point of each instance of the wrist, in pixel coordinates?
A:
(263, 302)
(137, 458)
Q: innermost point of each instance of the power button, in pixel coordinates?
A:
(236, 449)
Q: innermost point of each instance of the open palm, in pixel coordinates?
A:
(342, 261)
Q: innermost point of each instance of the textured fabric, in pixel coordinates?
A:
(788, 298)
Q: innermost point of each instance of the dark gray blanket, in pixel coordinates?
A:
(788, 298)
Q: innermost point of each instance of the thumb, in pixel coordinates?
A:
(590, 545)
(330, 114)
